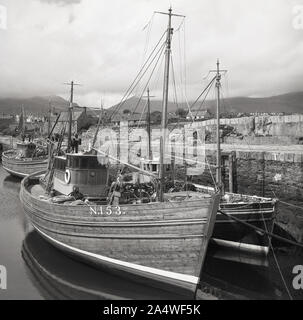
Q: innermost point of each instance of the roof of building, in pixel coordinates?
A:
(128, 117)
(64, 116)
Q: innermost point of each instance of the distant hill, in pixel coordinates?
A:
(288, 103)
(35, 105)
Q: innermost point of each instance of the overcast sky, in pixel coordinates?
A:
(101, 44)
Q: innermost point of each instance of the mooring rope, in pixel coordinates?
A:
(298, 244)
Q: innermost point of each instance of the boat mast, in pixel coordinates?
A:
(100, 121)
(70, 114)
(219, 167)
(23, 120)
(165, 100)
(148, 121)
(164, 106)
(219, 164)
(70, 117)
(148, 124)
(49, 117)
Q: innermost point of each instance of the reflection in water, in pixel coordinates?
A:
(59, 277)
(11, 183)
(255, 278)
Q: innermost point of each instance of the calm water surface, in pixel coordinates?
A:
(36, 270)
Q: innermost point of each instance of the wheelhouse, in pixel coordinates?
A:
(82, 171)
(153, 166)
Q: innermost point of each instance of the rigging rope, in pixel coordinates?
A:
(276, 260)
(294, 243)
(134, 84)
(148, 81)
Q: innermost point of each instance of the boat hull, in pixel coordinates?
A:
(233, 234)
(257, 211)
(163, 243)
(50, 269)
(22, 167)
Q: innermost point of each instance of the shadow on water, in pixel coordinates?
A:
(230, 274)
(58, 276)
(11, 182)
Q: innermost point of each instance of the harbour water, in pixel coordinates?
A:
(36, 270)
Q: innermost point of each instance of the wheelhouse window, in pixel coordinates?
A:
(84, 163)
(60, 164)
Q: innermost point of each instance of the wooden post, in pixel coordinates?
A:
(232, 172)
(263, 174)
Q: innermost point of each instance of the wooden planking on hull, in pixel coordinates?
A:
(49, 269)
(22, 168)
(149, 276)
(165, 239)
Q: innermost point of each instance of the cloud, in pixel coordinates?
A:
(101, 46)
(61, 2)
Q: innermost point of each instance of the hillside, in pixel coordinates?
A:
(288, 103)
(35, 105)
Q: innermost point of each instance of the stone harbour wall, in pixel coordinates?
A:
(273, 175)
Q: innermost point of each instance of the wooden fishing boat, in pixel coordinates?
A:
(162, 240)
(27, 157)
(256, 211)
(17, 162)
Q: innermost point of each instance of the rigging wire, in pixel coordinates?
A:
(137, 82)
(131, 87)
(146, 86)
(276, 260)
(210, 84)
(149, 26)
(201, 105)
(174, 82)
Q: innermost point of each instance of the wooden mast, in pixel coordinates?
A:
(165, 101)
(219, 165)
(148, 125)
(70, 116)
(100, 121)
(148, 121)
(23, 121)
(164, 106)
(72, 84)
(49, 118)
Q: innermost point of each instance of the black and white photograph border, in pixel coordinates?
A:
(151, 150)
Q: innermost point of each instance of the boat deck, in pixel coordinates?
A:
(37, 190)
